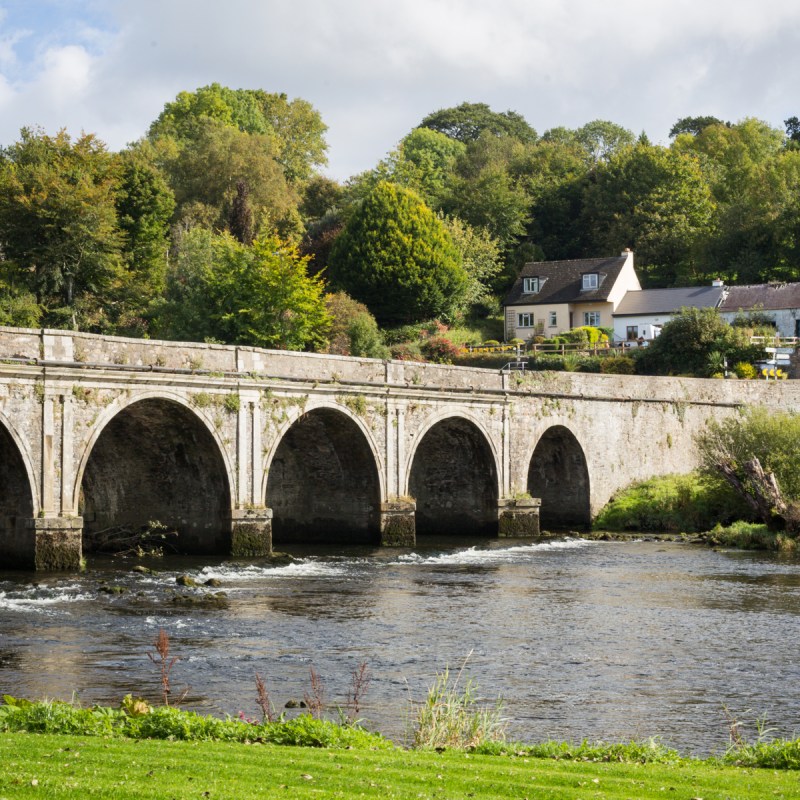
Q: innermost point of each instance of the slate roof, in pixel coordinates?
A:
(667, 301)
(561, 281)
(770, 296)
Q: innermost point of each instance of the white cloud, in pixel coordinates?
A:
(374, 68)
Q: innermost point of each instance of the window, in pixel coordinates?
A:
(553, 319)
(530, 285)
(525, 320)
(590, 280)
(591, 318)
(632, 332)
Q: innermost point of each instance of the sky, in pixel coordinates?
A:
(375, 68)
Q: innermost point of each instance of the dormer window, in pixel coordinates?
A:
(590, 281)
(530, 285)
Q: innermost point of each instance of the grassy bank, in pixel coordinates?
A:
(690, 503)
(50, 766)
(751, 536)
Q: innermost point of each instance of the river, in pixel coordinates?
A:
(597, 640)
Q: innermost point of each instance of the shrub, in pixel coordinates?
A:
(406, 352)
(744, 369)
(619, 365)
(439, 350)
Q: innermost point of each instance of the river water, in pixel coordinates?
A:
(597, 640)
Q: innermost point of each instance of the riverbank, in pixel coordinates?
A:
(65, 767)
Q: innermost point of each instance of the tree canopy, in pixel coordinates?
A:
(468, 121)
(397, 257)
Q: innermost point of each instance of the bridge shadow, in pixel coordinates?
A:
(155, 460)
(454, 481)
(559, 475)
(16, 501)
(323, 483)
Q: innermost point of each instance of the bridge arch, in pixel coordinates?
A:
(452, 473)
(18, 489)
(152, 456)
(324, 478)
(558, 473)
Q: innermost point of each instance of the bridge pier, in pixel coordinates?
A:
(518, 518)
(43, 543)
(251, 532)
(398, 526)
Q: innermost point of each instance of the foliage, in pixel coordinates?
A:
(439, 349)
(650, 751)
(687, 341)
(694, 125)
(745, 370)
(131, 721)
(599, 139)
(396, 256)
(450, 717)
(688, 503)
(354, 331)
(771, 436)
(259, 295)
(749, 536)
(468, 121)
(59, 231)
(293, 127)
(619, 365)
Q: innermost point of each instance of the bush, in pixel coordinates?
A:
(689, 503)
(406, 352)
(618, 365)
(744, 369)
(439, 350)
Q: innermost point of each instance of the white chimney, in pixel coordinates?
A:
(717, 283)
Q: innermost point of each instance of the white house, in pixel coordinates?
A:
(780, 302)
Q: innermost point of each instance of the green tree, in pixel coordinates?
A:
(59, 231)
(293, 127)
(396, 256)
(757, 453)
(258, 295)
(656, 201)
(481, 258)
(468, 121)
(354, 331)
(694, 125)
(598, 139)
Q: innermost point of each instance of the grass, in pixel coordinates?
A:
(62, 767)
(751, 536)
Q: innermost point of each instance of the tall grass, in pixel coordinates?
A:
(451, 717)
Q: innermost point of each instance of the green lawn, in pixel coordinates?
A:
(48, 766)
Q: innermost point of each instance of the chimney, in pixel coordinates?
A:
(717, 283)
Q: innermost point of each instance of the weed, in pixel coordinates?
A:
(451, 718)
(161, 658)
(202, 400)
(232, 403)
(359, 685)
(263, 700)
(315, 698)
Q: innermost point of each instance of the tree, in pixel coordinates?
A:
(694, 125)
(756, 453)
(793, 129)
(259, 295)
(293, 127)
(656, 201)
(599, 139)
(396, 256)
(207, 170)
(59, 231)
(469, 120)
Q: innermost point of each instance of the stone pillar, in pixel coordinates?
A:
(251, 532)
(518, 519)
(398, 528)
(46, 543)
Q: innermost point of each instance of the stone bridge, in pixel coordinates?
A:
(237, 447)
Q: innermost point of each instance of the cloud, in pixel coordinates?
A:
(374, 68)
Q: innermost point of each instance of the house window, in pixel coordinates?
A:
(632, 332)
(530, 285)
(525, 320)
(552, 319)
(591, 318)
(590, 280)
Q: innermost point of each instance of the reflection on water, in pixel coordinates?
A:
(582, 639)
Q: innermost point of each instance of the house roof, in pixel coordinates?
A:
(667, 301)
(562, 281)
(769, 296)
